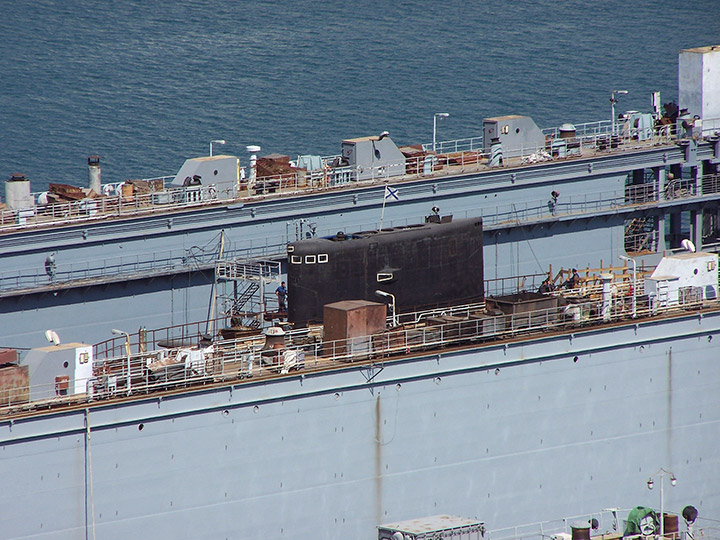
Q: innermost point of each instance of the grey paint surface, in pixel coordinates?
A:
(503, 198)
(535, 430)
(265, 223)
(89, 313)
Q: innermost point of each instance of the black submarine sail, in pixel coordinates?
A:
(434, 264)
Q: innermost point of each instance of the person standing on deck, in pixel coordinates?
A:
(281, 293)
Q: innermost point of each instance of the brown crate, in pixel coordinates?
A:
(451, 325)
(62, 383)
(8, 356)
(14, 385)
(352, 319)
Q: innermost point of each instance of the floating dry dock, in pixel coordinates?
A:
(513, 417)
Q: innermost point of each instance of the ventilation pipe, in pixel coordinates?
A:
(94, 174)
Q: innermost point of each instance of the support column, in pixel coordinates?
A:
(675, 229)
(661, 246)
(660, 175)
(696, 220)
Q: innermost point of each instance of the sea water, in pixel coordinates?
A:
(147, 85)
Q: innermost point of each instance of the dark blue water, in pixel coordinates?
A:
(149, 84)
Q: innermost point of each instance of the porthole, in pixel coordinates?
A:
(310, 259)
(215, 172)
(296, 259)
(322, 258)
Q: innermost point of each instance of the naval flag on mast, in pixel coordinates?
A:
(390, 193)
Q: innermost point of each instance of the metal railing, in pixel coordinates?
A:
(459, 145)
(520, 212)
(246, 269)
(461, 153)
(610, 523)
(104, 207)
(179, 335)
(170, 358)
(456, 155)
(59, 272)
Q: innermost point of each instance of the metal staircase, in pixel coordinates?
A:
(641, 235)
(240, 290)
(239, 302)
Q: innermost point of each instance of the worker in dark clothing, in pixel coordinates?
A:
(546, 287)
(281, 293)
(573, 281)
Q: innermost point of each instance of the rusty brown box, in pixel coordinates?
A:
(62, 383)
(14, 385)
(349, 323)
(8, 356)
(521, 308)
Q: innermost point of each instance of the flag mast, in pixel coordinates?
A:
(389, 192)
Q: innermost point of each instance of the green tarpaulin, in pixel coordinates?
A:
(642, 520)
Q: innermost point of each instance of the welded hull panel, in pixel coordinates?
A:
(556, 426)
(87, 314)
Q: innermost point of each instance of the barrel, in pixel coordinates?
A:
(580, 531)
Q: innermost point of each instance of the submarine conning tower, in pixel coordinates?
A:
(433, 264)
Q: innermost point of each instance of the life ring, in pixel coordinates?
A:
(212, 192)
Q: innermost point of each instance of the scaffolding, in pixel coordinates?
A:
(240, 290)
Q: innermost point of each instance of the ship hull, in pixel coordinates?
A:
(509, 433)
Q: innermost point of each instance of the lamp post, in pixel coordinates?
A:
(650, 483)
(634, 294)
(215, 141)
(127, 350)
(613, 101)
(435, 117)
(392, 300)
